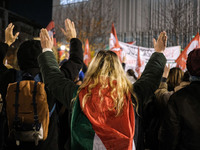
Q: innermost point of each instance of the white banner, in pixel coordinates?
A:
(171, 54)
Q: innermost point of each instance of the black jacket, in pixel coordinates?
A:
(70, 69)
(181, 126)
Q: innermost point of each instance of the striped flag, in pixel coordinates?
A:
(87, 54)
(181, 60)
(51, 30)
(96, 126)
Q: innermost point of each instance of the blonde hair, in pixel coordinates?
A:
(104, 69)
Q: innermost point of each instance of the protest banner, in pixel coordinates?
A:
(171, 54)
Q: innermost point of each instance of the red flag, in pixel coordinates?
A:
(139, 64)
(114, 43)
(181, 60)
(87, 55)
(51, 30)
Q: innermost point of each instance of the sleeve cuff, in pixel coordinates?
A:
(46, 49)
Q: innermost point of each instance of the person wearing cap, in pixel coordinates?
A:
(181, 127)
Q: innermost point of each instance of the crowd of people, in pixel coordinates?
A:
(108, 108)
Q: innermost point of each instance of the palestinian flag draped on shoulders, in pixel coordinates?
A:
(96, 126)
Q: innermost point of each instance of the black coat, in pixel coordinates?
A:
(181, 126)
(70, 69)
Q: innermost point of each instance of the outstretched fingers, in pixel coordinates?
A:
(67, 25)
(46, 41)
(9, 37)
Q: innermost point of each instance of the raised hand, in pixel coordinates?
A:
(161, 43)
(70, 31)
(45, 40)
(9, 37)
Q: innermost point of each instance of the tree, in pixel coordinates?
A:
(178, 18)
(92, 20)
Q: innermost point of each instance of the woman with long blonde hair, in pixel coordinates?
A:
(106, 72)
(104, 106)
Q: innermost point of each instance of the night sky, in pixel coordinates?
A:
(38, 11)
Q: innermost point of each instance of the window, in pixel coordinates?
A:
(64, 2)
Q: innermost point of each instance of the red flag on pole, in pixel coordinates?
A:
(181, 60)
(114, 43)
(87, 55)
(139, 64)
(51, 30)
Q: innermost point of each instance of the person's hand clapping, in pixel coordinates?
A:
(70, 31)
(45, 40)
(161, 43)
(9, 37)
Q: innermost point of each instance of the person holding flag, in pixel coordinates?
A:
(103, 106)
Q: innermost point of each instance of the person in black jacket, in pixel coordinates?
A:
(144, 88)
(27, 60)
(181, 126)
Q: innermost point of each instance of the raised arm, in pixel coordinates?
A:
(9, 39)
(151, 76)
(162, 94)
(72, 66)
(61, 87)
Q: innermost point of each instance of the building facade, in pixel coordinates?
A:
(143, 20)
(28, 30)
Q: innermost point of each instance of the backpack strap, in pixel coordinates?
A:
(16, 102)
(36, 120)
(52, 110)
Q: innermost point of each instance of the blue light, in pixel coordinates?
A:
(64, 2)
